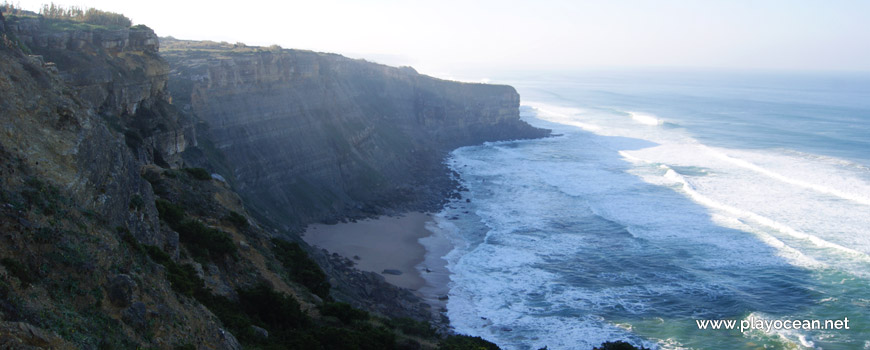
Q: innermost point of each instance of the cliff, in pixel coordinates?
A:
(87, 101)
(119, 75)
(104, 250)
(72, 204)
(318, 137)
(111, 239)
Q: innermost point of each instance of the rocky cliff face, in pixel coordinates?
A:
(119, 75)
(73, 204)
(315, 137)
(77, 150)
(109, 242)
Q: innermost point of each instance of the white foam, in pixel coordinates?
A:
(794, 256)
(791, 337)
(796, 218)
(740, 213)
(857, 198)
(650, 180)
(560, 115)
(645, 119)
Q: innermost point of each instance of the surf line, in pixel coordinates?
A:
(818, 188)
(740, 213)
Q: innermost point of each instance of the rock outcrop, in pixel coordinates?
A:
(73, 207)
(119, 75)
(56, 129)
(317, 137)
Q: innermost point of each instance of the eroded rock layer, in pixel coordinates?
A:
(314, 137)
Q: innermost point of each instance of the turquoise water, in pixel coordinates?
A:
(668, 198)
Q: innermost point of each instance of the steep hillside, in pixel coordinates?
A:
(111, 241)
(310, 136)
(119, 75)
(71, 193)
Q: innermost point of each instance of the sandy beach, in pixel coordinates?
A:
(389, 246)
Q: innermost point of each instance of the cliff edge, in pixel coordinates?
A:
(311, 137)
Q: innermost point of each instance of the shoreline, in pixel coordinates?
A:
(406, 250)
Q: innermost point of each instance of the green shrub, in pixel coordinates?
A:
(183, 279)
(279, 314)
(300, 267)
(18, 270)
(171, 213)
(272, 310)
(229, 312)
(237, 219)
(344, 312)
(198, 173)
(464, 342)
(136, 202)
(203, 241)
(366, 338)
(411, 326)
(70, 253)
(41, 196)
(156, 254)
(47, 235)
(128, 238)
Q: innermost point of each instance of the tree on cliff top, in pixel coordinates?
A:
(89, 15)
(10, 9)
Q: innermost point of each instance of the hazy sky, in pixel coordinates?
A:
(439, 36)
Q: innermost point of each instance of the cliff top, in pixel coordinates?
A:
(195, 53)
(206, 48)
(73, 18)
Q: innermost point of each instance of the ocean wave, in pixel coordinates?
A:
(789, 338)
(645, 119)
(748, 215)
(561, 115)
(789, 180)
(594, 235)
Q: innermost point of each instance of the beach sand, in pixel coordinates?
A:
(388, 243)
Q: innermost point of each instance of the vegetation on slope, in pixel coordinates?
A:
(85, 15)
(300, 268)
(258, 314)
(53, 268)
(60, 18)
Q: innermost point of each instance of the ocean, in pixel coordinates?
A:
(668, 199)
